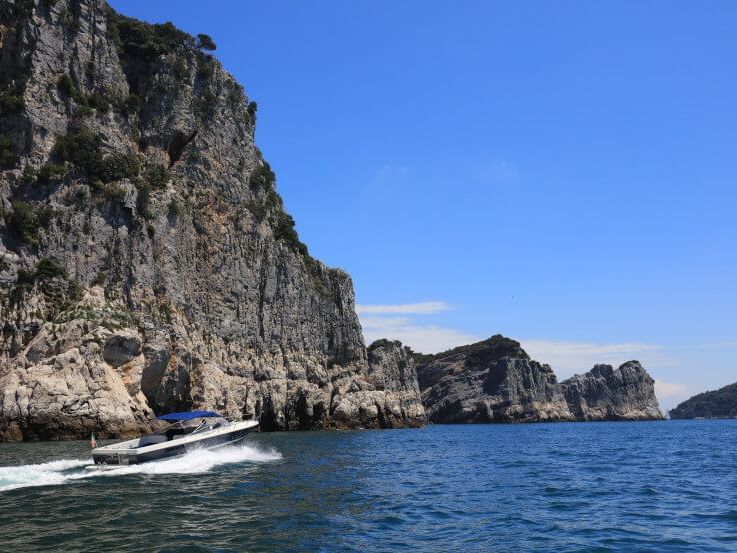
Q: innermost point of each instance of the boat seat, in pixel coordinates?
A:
(150, 440)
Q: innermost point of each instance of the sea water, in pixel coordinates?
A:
(649, 486)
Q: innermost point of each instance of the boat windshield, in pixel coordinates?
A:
(180, 429)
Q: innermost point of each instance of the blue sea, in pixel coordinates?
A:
(648, 486)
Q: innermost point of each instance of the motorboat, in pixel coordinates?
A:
(187, 431)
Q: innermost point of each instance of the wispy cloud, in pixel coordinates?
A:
(425, 338)
(421, 308)
(568, 357)
(382, 321)
(665, 390)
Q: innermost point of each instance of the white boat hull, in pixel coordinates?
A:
(132, 452)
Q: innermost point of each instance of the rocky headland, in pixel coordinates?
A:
(496, 381)
(148, 265)
(715, 404)
(606, 393)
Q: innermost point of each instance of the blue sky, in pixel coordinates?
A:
(564, 173)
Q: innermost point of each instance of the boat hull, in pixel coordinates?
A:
(107, 456)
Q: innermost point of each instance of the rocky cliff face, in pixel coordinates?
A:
(146, 261)
(716, 404)
(605, 393)
(495, 381)
(490, 381)
(392, 370)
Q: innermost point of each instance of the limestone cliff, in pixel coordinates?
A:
(392, 370)
(146, 260)
(605, 393)
(495, 381)
(490, 381)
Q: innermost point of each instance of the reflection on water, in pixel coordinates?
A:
(570, 487)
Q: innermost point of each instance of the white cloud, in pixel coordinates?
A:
(665, 389)
(570, 357)
(421, 338)
(421, 308)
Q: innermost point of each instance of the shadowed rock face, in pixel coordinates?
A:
(146, 262)
(491, 381)
(495, 381)
(605, 393)
(716, 404)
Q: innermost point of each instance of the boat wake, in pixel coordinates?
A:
(69, 470)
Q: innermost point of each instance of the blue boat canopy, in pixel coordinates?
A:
(187, 416)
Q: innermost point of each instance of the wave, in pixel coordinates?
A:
(68, 470)
(42, 474)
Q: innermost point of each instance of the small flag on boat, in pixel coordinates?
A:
(93, 442)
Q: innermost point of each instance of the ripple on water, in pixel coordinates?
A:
(563, 487)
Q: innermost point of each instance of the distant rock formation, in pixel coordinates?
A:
(392, 371)
(716, 404)
(490, 381)
(605, 393)
(495, 381)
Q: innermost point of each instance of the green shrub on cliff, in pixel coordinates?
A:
(383, 342)
(44, 216)
(180, 69)
(98, 102)
(131, 105)
(284, 230)
(205, 42)
(66, 85)
(112, 191)
(144, 199)
(29, 174)
(175, 208)
(50, 171)
(82, 148)
(206, 105)
(25, 277)
(24, 221)
(251, 110)
(261, 177)
(493, 348)
(82, 111)
(205, 67)
(50, 267)
(7, 158)
(157, 176)
(116, 167)
(144, 41)
(11, 103)
(86, 102)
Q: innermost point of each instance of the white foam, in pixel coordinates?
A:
(42, 474)
(67, 470)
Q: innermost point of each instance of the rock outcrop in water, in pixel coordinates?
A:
(605, 393)
(495, 381)
(716, 404)
(490, 381)
(146, 261)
